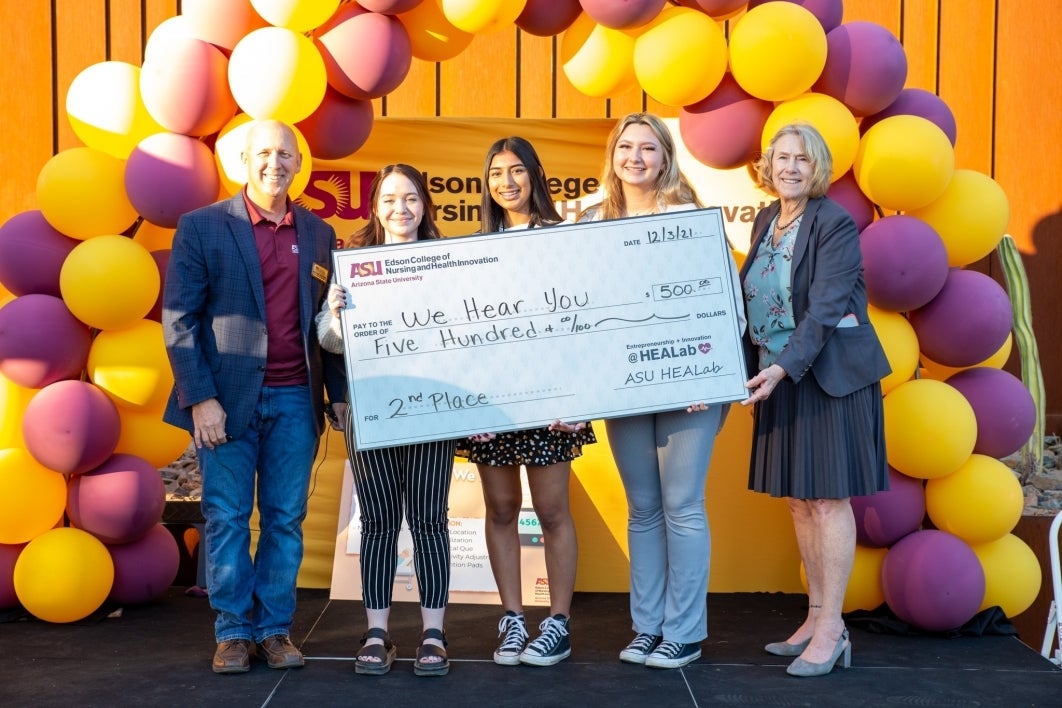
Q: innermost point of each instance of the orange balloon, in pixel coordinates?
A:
(432, 36)
(81, 193)
(106, 110)
(34, 497)
(130, 365)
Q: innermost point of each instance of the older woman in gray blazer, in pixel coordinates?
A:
(817, 440)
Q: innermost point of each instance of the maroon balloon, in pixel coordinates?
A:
(723, 130)
(828, 12)
(389, 7)
(1004, 409)
(967, 322)
(185, 86)
(162, 261)
(714, 8)
(622, 14)
(71, 427)
(905, 263)
(916, 102)
(338, 126)
(8, 556)
(366, 54)
(32, 252)
(933, 580)
(119, 501)
(41, 342)
(167, 175)
(145, 568)
(846, 192)
(886, 517)
(545, 18)
(866, 67)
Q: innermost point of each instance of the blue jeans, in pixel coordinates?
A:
(256, 599)
(663, 461)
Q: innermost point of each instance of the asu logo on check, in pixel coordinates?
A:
(366, 269)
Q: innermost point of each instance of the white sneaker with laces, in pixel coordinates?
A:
(514, 637)
(551, 646)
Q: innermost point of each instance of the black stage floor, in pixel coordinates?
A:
(159, 655)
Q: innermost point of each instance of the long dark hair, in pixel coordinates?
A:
(372, 234)
(542, 209)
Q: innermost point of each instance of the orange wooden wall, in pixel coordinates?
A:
(994, 62)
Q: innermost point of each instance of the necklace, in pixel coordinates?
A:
(785, 227)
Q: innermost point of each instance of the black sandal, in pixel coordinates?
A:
(439, 667)
(384, 654)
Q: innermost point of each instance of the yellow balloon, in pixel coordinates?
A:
(680, 57)
(63, 575)
(131, 365)
(106, 111)
(34, 497)
(1012, 574)
(864, 591)
(231, 141)
(829, 116)
(932, 370)
(432, 37)
(13, 402)
(971, 216)
(154, 237)
(479, 16)
(904, 162)
(81, 192)
(979, 502)
(145, 435)
(930, 428)
(109, 282)
(297, 15)
(597, 60)
(296, 74)
(777, 51)
(900, 343)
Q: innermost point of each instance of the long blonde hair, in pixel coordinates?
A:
(671, 186)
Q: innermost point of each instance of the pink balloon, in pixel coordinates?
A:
(169, 174)
(905, 263)
(828, 12)
(846, 192)
(185, 86)
(221, 22)
(32, 252)
(162, 260)
(145, 568)
(866, 67)
(8, 555)
(41, 342)
(916, 102)
(70, 427)
(622, 15)
(338, 126)
(119, 501)
(1004, 409)
(933, 580)
(967, 322)
(886, 517)
(366, 54)
(389, 7)
(723, 130)
(545, 18)
(714, 8)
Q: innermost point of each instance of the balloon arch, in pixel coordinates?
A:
(83, 370)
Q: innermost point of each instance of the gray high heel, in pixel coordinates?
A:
(803, 668)
(787, 649)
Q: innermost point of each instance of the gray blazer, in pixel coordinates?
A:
(827, 285)
(213, 313)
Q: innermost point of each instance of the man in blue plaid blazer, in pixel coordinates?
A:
(245, 278)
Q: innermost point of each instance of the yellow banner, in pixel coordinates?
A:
(450, 153)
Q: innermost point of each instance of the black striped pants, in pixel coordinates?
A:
(414, 479)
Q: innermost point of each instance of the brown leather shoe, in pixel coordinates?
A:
(233, 657)
(280, 653)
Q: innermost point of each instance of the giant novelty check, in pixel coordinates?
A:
(495, 332)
